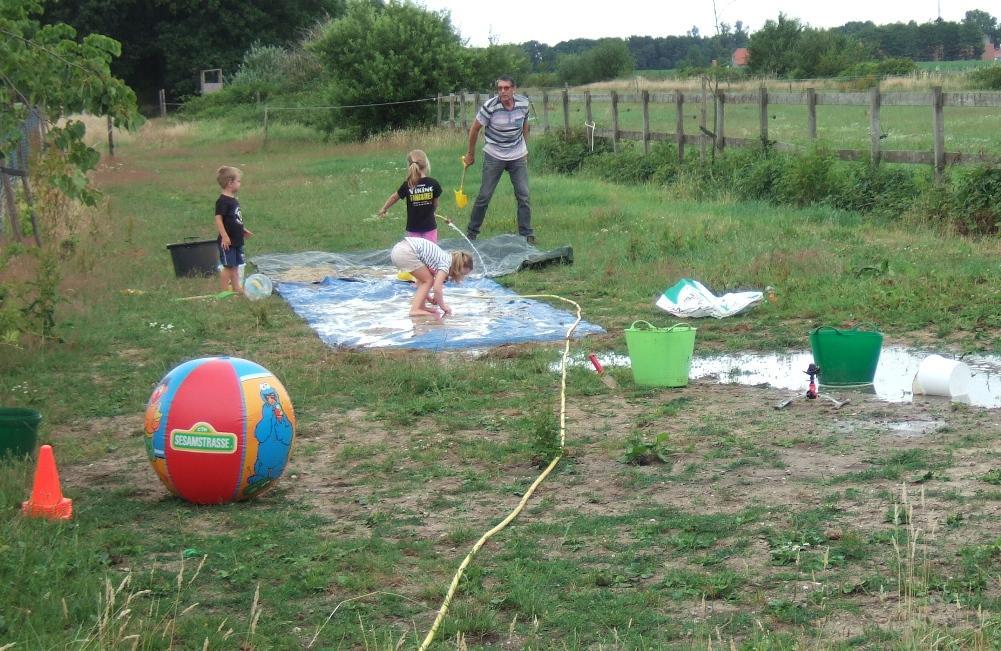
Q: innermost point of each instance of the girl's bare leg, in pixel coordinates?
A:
(424, 281)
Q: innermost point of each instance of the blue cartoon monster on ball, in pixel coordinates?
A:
(274, 437)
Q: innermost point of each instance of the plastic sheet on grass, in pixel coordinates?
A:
(502, 255)
(373, 313)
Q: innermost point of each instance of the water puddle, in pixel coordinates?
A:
(910, 429)
(894, 375)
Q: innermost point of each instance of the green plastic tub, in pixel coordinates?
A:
(18, 431)
(660, 357)
(846, 357)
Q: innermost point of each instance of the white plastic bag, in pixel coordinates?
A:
(690, 298)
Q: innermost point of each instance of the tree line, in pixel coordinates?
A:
(350, 50)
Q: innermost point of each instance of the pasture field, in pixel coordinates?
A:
(967, 130)
(679, 518)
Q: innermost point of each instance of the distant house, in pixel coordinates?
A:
(740, 58)
(992, 51)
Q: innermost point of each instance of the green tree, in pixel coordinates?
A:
(984, 23)
(484, 64)
(773, 48)
(167, 42)
(825, 53)
(399, 52)
(46, 66)
(609, 59)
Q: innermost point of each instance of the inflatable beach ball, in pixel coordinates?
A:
(219, 429)
(257, 287)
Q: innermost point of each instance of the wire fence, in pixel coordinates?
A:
(14, 165)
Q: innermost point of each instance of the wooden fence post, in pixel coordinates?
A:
(938, 129)
(645, 98)
(763, 115)
(31, 208)
(451, 110)
(566, 111)
(265, 143)
(476, 105)
(163, 103)
(111, 138)
(875, 132)
(588, 118)
(462, 110)
(615, 122)
(8, 193)
(703, 138)
(545, 112)
(811, 113)
(679, 127)
(437, 102)
(720, 139)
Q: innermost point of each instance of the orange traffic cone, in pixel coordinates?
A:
(47, 499)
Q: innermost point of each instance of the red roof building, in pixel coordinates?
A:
(740, 57)
(991, 51)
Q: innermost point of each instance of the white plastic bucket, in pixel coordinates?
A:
(941, 376)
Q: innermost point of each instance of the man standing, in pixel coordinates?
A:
(505, 118)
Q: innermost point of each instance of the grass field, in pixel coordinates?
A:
(743, 527)
(968, 130)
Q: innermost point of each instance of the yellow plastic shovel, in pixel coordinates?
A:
(460, 197)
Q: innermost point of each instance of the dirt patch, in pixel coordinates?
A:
(119, 171)
(730, 453)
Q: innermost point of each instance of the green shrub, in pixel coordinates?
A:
(872, 188)
(564, 152)
(757, 173)
(867, 74)
(935, 204)
(970, 204)
(627, 166)
(609, 59)
(896, 67)
(987, 78)
(977, 200)
(707, 179)
(268, 68)
(540, 80)
(666, 165)
(807, 178)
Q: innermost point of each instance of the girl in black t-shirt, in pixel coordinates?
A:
(421, 192)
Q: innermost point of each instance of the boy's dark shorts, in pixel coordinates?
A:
(231, 258)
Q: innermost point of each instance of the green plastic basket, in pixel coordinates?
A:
(18, 431)
(846, 356)
(660, 356)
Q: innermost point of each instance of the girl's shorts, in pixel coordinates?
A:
(427, 235)
(404, 258)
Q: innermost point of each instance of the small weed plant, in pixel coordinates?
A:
(642, 452)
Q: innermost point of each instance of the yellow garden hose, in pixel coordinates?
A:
(443, 610)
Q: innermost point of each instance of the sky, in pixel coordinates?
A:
(552, 21)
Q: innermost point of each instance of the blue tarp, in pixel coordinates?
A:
(373, 313)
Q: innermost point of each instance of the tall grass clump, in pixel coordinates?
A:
(988, 78)
(807, 179)
(977, 200)
(631, 165)
(874, 188)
